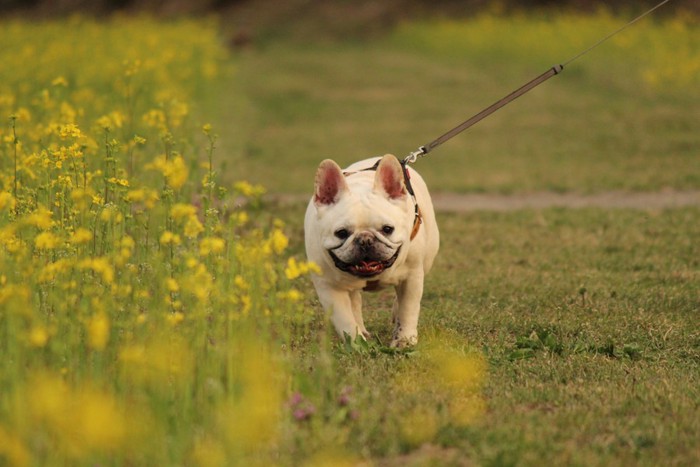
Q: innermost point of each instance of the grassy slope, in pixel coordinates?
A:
(601, 125)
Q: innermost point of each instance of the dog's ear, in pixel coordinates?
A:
(330, 183)
(389, 177)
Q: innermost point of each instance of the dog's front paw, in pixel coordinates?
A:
(402, 342)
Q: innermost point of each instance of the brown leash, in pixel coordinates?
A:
(555, 70)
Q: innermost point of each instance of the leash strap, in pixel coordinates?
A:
(555, 70)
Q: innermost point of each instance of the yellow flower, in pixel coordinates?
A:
(208, 452)
(51, 270)
(251, 420)
(173, 169)
(182, 210)
(111, 213)
(175, 318)
(169, 238)
(144, 195)
(127, 245)
(240, 282)
(112, 120)
(118, 181)
(193, 227)
(80, 236)
(79, 420)
(99, 265)
(69, 130)
(160, 362)
(13, 450)
(38, 336)
(81, 197)
(172, 285)
(155, 118)
(177, 111)
(240, 218)
(293, 295)
(46, 241)
(59, 81)
(249, 190)
(41, 218)
(419, 426)
(98, 331)
(295, 269)
(278, 241)
(6, 201)
(23, 115)
(211, 245)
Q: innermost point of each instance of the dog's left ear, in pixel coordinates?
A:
(389, 177)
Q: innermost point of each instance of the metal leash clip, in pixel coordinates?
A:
(415, 155)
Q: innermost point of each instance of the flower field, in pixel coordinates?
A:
(136, 306)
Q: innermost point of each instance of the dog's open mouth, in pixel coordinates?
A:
(365, 268)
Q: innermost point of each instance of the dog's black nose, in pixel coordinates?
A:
(364, 240)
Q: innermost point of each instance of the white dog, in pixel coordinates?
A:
(367, 227)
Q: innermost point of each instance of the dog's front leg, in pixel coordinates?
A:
(339, 304)
(356, 301)
(408, 295)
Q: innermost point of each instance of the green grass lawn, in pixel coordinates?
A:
(587, 320)
(623, 117)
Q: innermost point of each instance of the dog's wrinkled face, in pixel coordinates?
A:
(365, 253)
(364, 223)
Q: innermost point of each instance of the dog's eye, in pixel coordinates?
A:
(388, 230)
(342, 233)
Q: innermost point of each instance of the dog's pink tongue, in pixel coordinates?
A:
(368, 266)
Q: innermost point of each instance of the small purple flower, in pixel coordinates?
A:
(296, 399)
(304, 413)
(344, 397)
(302, 409)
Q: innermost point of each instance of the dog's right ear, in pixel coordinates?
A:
(330, 183)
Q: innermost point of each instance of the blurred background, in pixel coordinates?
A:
(253, 18)
(354, 79)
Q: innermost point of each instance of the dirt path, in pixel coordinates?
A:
(451, 202)
(454, 202)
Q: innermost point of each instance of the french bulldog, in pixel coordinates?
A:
(370, 226)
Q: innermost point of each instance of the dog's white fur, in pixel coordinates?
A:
(354, 212)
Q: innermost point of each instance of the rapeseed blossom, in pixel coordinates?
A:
(120, 293)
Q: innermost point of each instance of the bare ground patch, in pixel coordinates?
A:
(459, 202)
(453, 202)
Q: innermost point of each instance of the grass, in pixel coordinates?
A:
(587, 321)
(618, 118)
(155, 312)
